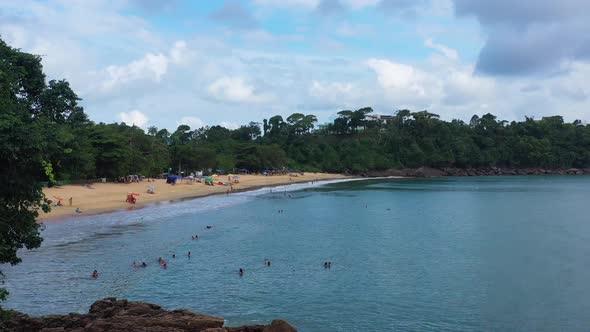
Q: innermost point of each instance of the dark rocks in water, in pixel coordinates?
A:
(115, 315)
(474, 171)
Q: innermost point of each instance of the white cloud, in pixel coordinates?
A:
(336, 95)
(405, 84)
(151, 67)
(445, 50)
(235, 90)
(191, 121)
(229, 125)
(135, 118)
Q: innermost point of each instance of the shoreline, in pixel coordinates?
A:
(108, 198)
(427, 172)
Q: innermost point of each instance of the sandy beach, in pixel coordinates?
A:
(107, 197)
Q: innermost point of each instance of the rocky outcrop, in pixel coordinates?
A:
(115, 315)
(472, 171)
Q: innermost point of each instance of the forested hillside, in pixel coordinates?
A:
(74, 147)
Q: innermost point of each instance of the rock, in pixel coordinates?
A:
(114, 315)
(279, 325)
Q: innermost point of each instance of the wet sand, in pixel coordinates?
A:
(108, 197)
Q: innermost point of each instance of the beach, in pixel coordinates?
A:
(108, 197)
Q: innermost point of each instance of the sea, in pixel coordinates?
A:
(437, 254)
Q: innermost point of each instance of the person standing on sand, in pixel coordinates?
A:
(70, 201)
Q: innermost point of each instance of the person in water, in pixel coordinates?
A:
(160, 260)
(134, 264)
(325, 265)
(268, 263)
(143, 264)
(189, 254)
(241, 272)
(196, 236)
(95, 274)
(173, 256)
(329, 265)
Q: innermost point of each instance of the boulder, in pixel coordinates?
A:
(114, 315)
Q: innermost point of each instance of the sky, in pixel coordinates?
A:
(165, 63)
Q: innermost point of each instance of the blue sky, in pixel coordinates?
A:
(164, 63)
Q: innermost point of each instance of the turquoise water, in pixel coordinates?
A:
(448, 254)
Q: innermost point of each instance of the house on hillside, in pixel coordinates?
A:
(380, 117)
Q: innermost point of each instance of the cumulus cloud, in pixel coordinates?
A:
(335, 95)
(150, 67)
(529, 36)
(235, 90)
(229, 125)
(135, 118)
(403, 80)
(191, 121)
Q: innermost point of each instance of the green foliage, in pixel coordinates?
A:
(22, 146)
(48, 172)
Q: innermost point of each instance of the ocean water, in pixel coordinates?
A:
(445, 254)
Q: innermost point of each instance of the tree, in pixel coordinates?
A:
(22, 146)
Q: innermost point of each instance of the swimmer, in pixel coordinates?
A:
(95, 274)
(160, 260)
(196, 236)
(209, 227)
(329, 265)
(268, 263)
(164, 265)
(241, 272)
(189, 254)
(193, 238)
(325, 265)
(173, 256)
(143, 264)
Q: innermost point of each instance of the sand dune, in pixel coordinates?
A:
(106, 197)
